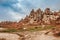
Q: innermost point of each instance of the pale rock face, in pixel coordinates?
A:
(46, 19)
(9, 36)
(52, 17)
(31, 21)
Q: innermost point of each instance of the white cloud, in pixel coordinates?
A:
(9, 15)
(19, 0)
(22, 7)
(15, 16)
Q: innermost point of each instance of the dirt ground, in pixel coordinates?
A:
(37, 35)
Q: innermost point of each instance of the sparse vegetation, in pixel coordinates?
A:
(48, 27)
(10, 30)
(39, 28)
(29, 29)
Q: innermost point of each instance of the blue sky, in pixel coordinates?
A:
(14, 10)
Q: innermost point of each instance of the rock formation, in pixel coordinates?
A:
(35, 18)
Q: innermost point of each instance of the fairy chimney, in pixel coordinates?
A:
(47, 11)
(32, 14)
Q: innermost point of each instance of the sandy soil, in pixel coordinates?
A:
(37, 35)
(9, 36)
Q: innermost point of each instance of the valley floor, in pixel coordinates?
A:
(26, 35)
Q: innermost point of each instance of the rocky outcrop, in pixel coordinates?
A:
(35, 18)
(39, 17)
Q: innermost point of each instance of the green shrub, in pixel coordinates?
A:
(48, 27)
(10, 30)
(40, 28)
(34, 28)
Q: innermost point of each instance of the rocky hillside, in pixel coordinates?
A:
(38, 17)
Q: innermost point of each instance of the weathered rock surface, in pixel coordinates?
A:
(37, 17)
(9, 36)
(37, 35)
